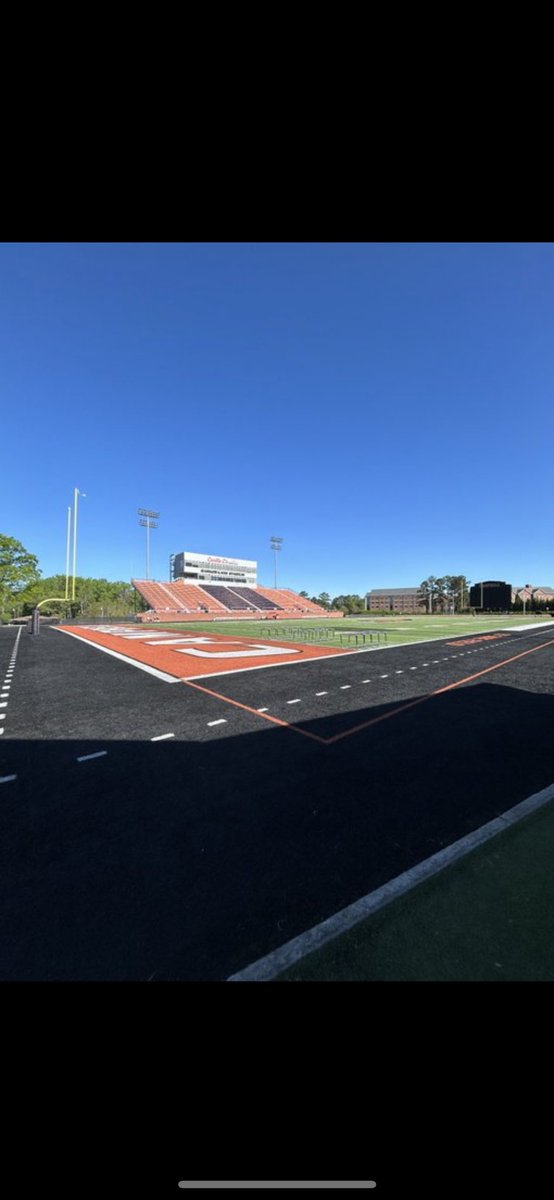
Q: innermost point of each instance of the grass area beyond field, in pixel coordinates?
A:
(487, 917)
(399, 630)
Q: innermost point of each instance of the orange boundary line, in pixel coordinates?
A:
(375, 720)
(274, 720)
(437, 692)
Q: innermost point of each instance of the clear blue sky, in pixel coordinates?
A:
(387, 409)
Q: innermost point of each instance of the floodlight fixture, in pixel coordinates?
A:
(149, 521)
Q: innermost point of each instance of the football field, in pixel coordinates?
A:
(175, 812)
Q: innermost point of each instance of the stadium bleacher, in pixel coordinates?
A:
(225, 596)
(255, 598)
(180, 600)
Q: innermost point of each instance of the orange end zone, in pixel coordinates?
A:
(195, 656)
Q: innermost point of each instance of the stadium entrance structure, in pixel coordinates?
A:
(182, 600)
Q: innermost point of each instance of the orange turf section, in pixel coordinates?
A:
(192, 656)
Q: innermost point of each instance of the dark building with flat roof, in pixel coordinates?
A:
(492, 595)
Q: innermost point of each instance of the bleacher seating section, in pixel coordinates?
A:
(225, 596)
(180, 600)
(255, 598)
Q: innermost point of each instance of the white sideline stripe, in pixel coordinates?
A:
(291, 952)
(221, 721)
(360, 650)
(162, 737)
(520, 628)
(98, 754)
(7, 778)
(269, 666)
(131, 662)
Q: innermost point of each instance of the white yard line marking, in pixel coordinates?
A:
(131, 662)
(222, 721)
(7, 778)
(98, 754)
(285, 956)
(162, 737)
(294, 701)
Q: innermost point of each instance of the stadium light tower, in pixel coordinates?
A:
(76, 493)
(150, 520)
(276, 544)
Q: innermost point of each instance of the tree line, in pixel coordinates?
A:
(444, 593)
(22, 587)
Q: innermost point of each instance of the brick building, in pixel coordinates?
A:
(401, 600)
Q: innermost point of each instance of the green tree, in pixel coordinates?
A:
(324, 600)
(349, 604)
(18, 568)
(93, 597)
(457, 591)
(428, 590)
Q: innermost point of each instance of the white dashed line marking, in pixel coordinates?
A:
(4, 704)
(162, 737)
(294, 701)
(7, 778)
(366, 680)
(383, 676)
(344, 686)
(261, 710)
(222, 721)
(322, 693)
(413, 668)
(398, 672)
(86, 757)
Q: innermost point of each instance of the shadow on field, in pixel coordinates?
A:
(187, 860)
